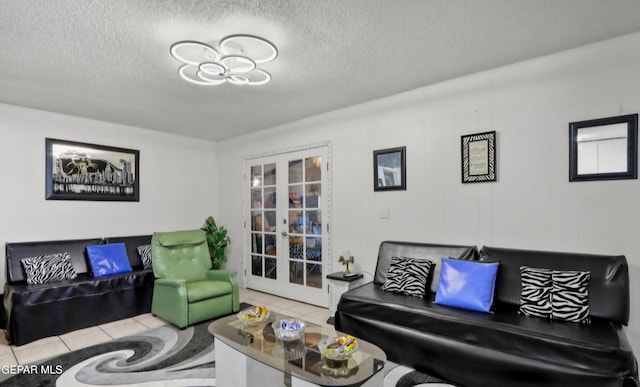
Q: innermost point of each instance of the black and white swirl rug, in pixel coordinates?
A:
(163, 356)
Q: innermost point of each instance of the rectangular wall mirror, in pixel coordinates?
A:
(604, 149)
(389, 169)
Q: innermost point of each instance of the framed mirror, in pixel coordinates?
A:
(604, 149)
(389, 169)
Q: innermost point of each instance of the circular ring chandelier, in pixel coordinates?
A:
(234, 61)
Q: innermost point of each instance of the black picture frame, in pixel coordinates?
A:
(595, 147)
(82, 171)
(479, 157)
(389, 169)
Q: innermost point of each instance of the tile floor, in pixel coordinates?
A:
(57, 345)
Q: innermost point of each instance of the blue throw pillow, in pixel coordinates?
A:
(467, 284)
(108, 259)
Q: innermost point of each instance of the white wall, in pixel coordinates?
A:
(177, 181)
(532, 206)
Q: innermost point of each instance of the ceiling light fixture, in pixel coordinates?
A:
(234, 61)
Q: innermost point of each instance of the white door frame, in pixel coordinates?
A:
(327, 204)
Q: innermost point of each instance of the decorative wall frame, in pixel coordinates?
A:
(479, 157)
(81, 171)
(604, 148)
(389, 169)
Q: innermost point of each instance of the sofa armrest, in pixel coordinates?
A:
(170, 301)
(221, 275)
(227, 276)
(171, 282)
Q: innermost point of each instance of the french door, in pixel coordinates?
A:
(286, 224)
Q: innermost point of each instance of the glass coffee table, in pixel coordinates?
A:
(253, 356)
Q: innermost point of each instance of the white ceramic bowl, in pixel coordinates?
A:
(289, 329)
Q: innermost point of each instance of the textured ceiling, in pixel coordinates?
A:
(109, 59)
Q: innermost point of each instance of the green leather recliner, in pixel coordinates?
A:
(186, 291)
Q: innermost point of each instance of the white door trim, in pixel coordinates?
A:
(327, 201)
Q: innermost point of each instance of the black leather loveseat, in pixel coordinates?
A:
(37, 311)
(502, 348)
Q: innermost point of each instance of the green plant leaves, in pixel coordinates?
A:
(217, 240)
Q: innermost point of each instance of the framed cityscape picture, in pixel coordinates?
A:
(479, 157)
(81, 171)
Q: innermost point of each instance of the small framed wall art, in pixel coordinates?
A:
(479, 157)
(604, 148)
(389, 169)
(80, 171)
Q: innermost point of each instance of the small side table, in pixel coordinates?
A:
(339, 284)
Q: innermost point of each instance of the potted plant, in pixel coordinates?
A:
(217, 240)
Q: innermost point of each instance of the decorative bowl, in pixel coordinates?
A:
(337, 368)
(289, 329)
(253, 316)
(338, 347)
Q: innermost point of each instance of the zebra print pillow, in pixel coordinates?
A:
(417, 273)
(408, 276)
(48, 268)
(145, 255)
(570, 296)
(535, 298)
(395, 275)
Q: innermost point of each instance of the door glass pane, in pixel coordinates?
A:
(256, 221)
(314, 275)
(270, 220)
(295, 171)
(295, 195)
(296, 274)
(314, 249)
(256, 198)
(312, 195)
(315, 220)
(256, 265)
(296, 247)
(256, 243)
(294, 227)
(270, 244)
(313, 171)
(256, 176)
(303, 221)
(269, 198)
(270, 174)
(270, 268)
(263, 220)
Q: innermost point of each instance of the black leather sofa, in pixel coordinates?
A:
(502, 348)
(37, 311)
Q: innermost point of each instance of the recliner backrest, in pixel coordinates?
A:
(180, 254)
